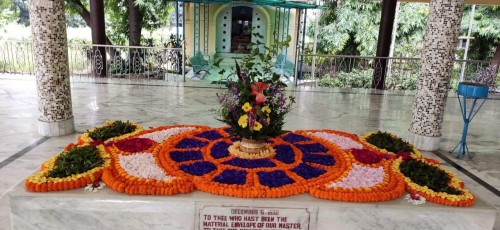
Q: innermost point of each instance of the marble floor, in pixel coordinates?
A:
(162, 103)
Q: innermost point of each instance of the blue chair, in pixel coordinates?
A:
(199, 63)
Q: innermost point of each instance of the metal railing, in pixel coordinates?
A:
(160, 63)
(347, 71)
(86, 60)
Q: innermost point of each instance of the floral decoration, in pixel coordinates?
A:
(140, 172)
(328, 164)
(366, 156)
(343, 140)
(415, 199)
(463, 198)
(360, 176)
(43, 182)
(95, 186)
(255, 105)
(353, 187)
(289, 171)
(364, 139)
(86, 139)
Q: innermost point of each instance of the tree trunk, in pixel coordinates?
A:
(98, 37)
(85, 14)
(134, 36)
(134, 24)
(495, 62)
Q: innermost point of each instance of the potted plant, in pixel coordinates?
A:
(255, 104)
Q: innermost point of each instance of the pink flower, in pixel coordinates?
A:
(404, 155)
(366, 156)
(96, 142)
(257, 91)
(414, 196)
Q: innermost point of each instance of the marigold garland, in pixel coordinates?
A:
(463, 200)
(41, 182)
(391, 188)
(119, 180)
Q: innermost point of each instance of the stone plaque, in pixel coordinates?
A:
(227, 217)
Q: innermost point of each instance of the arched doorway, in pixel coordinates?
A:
(236, 26)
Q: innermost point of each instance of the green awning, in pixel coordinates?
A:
(275, 3)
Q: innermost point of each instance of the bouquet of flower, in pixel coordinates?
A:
(256, 103)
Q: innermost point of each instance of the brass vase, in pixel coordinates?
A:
(252, 146)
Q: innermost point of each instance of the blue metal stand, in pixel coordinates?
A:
(473, 92)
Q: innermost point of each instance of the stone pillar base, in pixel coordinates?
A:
(57, 128)
(423, 142)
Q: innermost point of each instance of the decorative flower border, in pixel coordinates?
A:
(363, 139)
(391, 188)
(252, 188)
(41, 182)
(463, 200)
(86, 139)
(119, 180)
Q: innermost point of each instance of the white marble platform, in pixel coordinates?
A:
(154, 103)
(107, 209)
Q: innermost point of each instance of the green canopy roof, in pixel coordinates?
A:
(275, 3)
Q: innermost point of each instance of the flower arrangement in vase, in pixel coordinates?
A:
(255, 104)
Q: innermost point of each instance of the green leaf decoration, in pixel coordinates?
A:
(75, 161)
(115, 129)
(428, 175)
(386, 141)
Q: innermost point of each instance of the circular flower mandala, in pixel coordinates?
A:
(298, 164)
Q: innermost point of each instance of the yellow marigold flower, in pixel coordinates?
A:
(268, 120)
(246, 107)
(243, 121)
(266, 109)
(257, 126)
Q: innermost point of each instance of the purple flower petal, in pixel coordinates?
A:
(318, 159)
(219, 150)
(190, 143)
(230, 176)
(245, 163)
(274, 179)
(294, 138)
(307, 171)
(284, 153)
(312, 148)
(180, 156)
(198, 168)
(210, 135)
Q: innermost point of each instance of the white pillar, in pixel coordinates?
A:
(48, 26)
(440, 42)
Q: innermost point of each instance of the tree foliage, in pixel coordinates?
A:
(351, 27)
(7, 14)
(347, 28)
(155, 14)
(485, 31)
